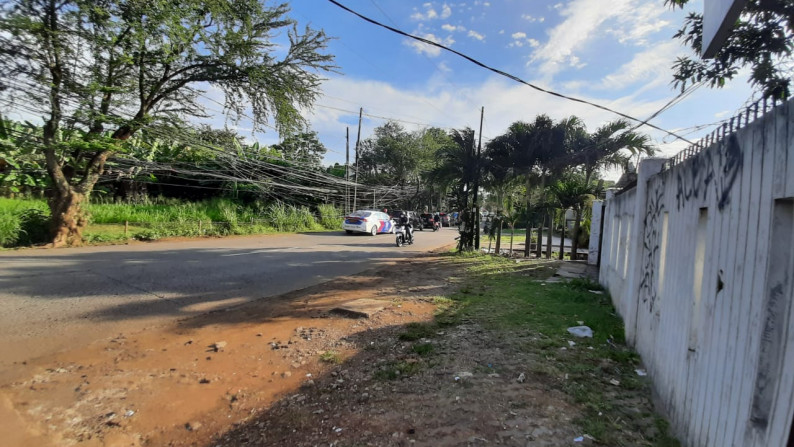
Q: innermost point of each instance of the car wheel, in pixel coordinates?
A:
(349, 231)
(374, 231)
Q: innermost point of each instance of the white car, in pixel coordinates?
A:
(368, 221)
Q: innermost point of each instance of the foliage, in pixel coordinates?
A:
(761, 39)
(302, 147)
(329, 217)
(394, 156)
(100, 73)
(23, 222)
(22, 168)
(511, 301)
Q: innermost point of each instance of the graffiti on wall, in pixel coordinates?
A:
(651, 241)
(711, 169)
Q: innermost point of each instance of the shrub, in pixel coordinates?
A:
(330, 217)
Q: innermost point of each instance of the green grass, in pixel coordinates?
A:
(162, 218)
(512, 300)
(331, 357)
(399, 369)
(22, 222)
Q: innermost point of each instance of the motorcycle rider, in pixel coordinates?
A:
(409, 230)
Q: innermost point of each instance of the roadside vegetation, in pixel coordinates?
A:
(524, 315)
(25, 221)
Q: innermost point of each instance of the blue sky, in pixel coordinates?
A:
(617, 53)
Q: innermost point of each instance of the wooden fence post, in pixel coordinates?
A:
(126, 228)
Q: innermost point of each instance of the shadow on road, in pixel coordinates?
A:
(122, 284)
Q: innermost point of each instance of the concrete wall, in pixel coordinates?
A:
(699, 259)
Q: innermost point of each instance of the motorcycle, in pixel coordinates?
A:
(404, 235)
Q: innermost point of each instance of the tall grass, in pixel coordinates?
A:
(159, 218)
(23, 222)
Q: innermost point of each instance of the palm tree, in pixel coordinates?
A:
(571, 192)
(458, 164)
(606, 147)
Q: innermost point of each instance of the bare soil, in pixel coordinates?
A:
(289, 372)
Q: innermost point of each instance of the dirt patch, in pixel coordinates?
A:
(180, 385)
(289, 372)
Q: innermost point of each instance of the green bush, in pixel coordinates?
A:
(330, 217)
(23, 222)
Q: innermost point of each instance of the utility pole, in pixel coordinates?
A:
(477, 187)
(358, 139)
(347, 170)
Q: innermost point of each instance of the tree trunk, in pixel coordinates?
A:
(562, 238)
(548, 235)
(528, 242)
(543, 219)
(68, 219)
(499, 237)
(575, 236)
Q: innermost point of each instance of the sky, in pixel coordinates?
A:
(616, 53)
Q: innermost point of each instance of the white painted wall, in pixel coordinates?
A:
(704, 280)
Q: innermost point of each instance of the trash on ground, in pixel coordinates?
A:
(641, 372)
(581, 331)
(597, 292)
(614, 382)
(571, 343)
(521, 378)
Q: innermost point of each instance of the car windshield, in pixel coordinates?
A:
(361, 214)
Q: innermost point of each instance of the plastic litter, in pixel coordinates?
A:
(641, 372)
(571, 343)
(521, 378)
(129, 413)
(581, 331)
(579, 439)
(597, 292)
(614, 382)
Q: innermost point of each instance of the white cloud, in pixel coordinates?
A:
(520, 39)
(430, 50)
(443, 106)
(643, 21)
(533, 19)
(451, 28)
(475, 35)
(446, 11)
(582, 19)
(630, 21)
(651, 67)
(429, 13)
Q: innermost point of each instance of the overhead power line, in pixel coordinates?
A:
(505, 74)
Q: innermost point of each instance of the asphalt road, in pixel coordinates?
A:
(53, 299)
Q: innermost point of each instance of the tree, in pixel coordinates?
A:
(606, 147)
(100, 71)
(394, 156)
(760, 39)
(304, 147)
(457, 166)
(570, 192)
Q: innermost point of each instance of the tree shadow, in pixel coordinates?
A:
(120, 284)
